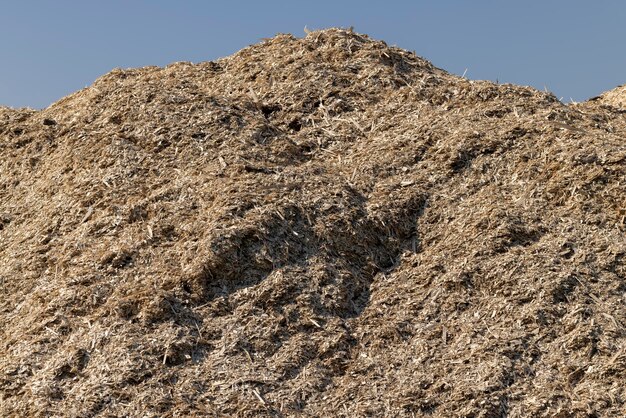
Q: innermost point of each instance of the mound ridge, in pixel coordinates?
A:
(615, 98)
(317, 226)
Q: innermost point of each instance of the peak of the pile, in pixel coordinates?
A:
(283, 72)
(334, 46)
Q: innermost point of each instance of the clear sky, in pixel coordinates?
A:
(574, 48)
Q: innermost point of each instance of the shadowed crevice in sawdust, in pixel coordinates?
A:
(358, 247)
(317, 226)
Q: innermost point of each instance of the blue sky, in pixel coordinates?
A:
(573, 48)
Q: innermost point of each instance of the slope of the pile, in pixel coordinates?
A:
(615, 98)
(322, 226)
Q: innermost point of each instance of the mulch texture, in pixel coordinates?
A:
(325, 226)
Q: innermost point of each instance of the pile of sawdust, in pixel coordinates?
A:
(324, 226)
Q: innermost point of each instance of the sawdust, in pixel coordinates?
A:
(325, 226)
(615, 98)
